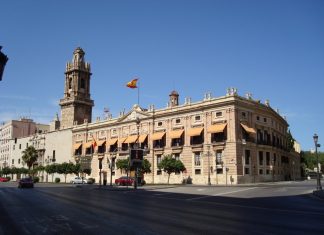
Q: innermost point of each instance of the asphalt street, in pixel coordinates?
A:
(279, 208)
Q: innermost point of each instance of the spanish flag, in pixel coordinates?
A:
(132, 84)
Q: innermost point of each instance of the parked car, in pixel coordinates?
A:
(128, 181)
(3, 179)
(26, 183)
(78, 180)
(124, 180)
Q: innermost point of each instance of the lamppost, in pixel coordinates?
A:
(3, 61)
(272, 168)
(293, 170)
(208, 153)
(319, 186)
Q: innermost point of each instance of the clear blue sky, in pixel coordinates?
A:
(273, 49)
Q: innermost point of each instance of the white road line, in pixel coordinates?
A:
(160, 194)
(219, 194)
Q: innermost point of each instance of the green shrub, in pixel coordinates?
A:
(57, 180)
(36, 179)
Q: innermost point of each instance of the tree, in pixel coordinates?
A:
(146, 167)
(290, 142)
(86, 171)
(65, 169)
(14, 171)
(77, 169)
(123, 165)
(51, 169)
(310, 160)
(29, 156)
(6, 171)
(171, 165)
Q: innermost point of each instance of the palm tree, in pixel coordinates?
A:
(29, 156)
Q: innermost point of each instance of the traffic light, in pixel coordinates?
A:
(137, 154)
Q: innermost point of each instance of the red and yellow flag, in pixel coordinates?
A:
(132, 84)
(94, 143)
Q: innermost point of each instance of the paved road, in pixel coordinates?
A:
(253, 209)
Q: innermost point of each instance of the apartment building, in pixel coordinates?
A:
(10, 131)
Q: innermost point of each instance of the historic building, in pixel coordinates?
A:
(76, 105)
(221, 140)
(224, 140)
(52, 147)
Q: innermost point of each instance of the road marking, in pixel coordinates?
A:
(219, 194)
(160, 194)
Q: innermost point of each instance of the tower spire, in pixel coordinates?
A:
(76, 105)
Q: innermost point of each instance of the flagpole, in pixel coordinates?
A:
(138, 87)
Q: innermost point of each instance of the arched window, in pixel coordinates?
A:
(70, 83)
(82, 83)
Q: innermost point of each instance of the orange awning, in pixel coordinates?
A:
(216, 128)
(248, 129)
(158, 135)
(122, 140)
(176, 134)
(112, 141)
(142, 138)
(88, 144)
(77, 146)
(195, 131)
(131, 139)
(100, 142)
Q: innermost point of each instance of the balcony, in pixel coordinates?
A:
(177, 147)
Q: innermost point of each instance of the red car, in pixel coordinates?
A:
(3, 179)
(124, 181)
(26, 183)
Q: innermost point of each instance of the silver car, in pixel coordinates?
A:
(78, 180)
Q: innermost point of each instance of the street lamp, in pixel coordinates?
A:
(319, 186)
(3, 61)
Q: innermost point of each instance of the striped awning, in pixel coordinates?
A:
(216, 128)
(77, 146)
(248, 129)
(142, 138)
(112, 141)
(88, 144)
(158, 135)
(131, 139)
(101, 142)
(122, 140)
(195, 131)
(176, 134)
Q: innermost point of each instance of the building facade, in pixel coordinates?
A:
(224, 140)
(10, 131)
(52, 148)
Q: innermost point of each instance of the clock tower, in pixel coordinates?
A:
(76, 105)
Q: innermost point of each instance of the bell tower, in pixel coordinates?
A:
(174, 99)
(76, 105)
